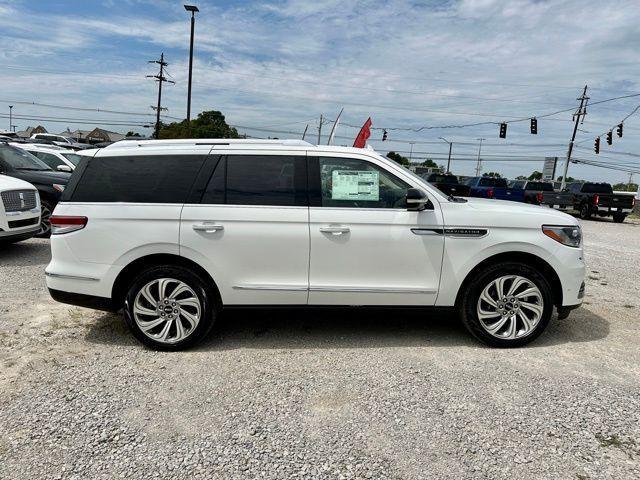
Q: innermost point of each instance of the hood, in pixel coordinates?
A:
(42, 177)
(10, 183)
(503, 213)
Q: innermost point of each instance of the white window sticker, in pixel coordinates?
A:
(355, 185)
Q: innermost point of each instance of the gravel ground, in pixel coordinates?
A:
(323, 394)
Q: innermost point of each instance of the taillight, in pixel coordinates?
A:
(65, 224)
(490, 193)
(539, 197)
(596, 199)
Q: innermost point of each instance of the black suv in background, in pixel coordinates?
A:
(20, 164)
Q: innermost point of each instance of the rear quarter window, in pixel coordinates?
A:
(138, 179)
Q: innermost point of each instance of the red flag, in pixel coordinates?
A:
(365, 133)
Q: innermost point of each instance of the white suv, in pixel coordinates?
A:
(172, 231)
(19, 210)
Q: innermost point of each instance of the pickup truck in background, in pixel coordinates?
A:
(491, 187)
(543, 193)
(598, 199)
(448, 184)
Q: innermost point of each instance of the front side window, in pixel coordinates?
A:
(73, 158)
(273, 180)
(138, 179)
(353, 183)
(18, 159)
(51, 160)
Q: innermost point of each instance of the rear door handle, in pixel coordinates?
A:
(335, 229)
(207, 227)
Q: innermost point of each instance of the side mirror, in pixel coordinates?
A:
(64, 168)
(417, 200)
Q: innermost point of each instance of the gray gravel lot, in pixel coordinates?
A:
(322, 394)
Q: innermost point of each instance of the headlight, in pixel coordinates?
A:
(569, 236)
(58, 187)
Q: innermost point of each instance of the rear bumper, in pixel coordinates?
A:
(81, 300)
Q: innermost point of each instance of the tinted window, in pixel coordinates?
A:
(518, 184)
(138, 179)
(448, 179)
(492, 182)
(258, 180)
(346, 182)
(73, 158)
(18, 159)
(597, 188)
(50, 160)
(542, 186)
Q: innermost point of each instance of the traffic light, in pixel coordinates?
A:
(534, 126)
(609, 137)
(619, 130)
(596, 146)
(503, 130)
(384, 135)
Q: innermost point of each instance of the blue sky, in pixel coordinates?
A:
(276, 66)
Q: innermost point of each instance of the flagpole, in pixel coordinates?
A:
(333, 129)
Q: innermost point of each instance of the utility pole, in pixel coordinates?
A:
(478, 165)
(580, 113)
(11, 118)
(160, 78)
(630, 181)
(449, 159)
(320, 129)
(304, 134)
(410, 151)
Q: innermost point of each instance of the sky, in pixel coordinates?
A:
(273, 67)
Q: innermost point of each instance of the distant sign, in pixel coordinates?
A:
(549, 169)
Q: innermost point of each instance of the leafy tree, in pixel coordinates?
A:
(396, 157)
(209, 124)
(624, 187)
(569, 179)
(522, 177)
(536, 175)
(430, 163)
(131, 133)
(492, 174)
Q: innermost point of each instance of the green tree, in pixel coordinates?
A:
(569, 179)
(492, 174)
(624, 187)
(522, 177)
(536, 175)
(209, 124)
(430, 163)
(396, 157)
(131, 133)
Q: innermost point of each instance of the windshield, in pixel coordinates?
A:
(597, 188)
(449, 179)
(542, 186)
(21, 160)
(73, 158)
(492, 182)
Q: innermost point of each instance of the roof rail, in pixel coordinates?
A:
(208, 141)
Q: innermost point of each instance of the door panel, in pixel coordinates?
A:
(255, 252)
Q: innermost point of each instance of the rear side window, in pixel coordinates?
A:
(51, 160)
(542, 186)
(138, 179)
(278, 180)
(492, 182)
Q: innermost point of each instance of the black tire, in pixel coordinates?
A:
(470, 298)
(205, 293)
(619, 217)
(45, 222)
(585, 212)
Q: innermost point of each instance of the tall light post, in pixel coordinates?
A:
(193, 9)
(10, 118)
(410, 151)
(479, 150)
(449, 159)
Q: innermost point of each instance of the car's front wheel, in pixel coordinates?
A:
(507, 305)
(170, 308)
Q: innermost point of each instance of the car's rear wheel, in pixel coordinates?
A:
(170, 308)
(619, 217)
(585, 212)
(507, 305)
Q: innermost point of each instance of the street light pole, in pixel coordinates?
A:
(479, 150)
(449, 159)
(410, 151)
(10, 118)
(193, 9)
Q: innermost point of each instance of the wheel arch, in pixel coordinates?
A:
(134, 268)
(522, 257)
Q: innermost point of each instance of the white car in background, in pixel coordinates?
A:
(57, 158)
(58, 140)
(19, 210)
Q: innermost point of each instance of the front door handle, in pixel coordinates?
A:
(207, 227)
(335, 229)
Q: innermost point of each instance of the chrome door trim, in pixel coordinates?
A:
(353, 289)
(71, 277)
(454, 232)
(271, 287)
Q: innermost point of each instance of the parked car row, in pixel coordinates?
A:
(586, 199)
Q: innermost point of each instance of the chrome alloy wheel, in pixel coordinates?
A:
(510, 307)
(167, 310)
